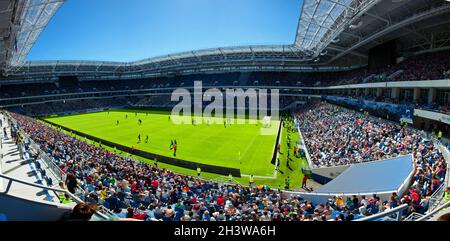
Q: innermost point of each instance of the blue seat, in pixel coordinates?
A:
(49, 181)
(3, 217)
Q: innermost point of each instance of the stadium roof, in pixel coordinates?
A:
(371, 177)
(331, 34)
(322, 20)
(22, 21)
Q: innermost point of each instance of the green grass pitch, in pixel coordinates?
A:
(239, 146)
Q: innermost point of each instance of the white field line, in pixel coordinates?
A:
(276, 162)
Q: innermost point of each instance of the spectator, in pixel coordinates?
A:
(82, 212)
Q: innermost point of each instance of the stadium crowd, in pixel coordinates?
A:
(337, 136)
(143, 191)
(428, 66)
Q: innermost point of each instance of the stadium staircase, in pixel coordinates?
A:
(437, 205)
(395, 74)
(28, 185)
(368, 78)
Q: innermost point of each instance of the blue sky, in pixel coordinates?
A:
(129, 30)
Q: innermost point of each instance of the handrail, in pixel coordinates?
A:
(386, 213)
(436, 210)
(78, 200)
(44, 156)
(57, 171)
(72, 196)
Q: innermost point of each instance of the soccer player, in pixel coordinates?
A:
(287, 182)
(295, 151)
(140, 122)
(117, 123)
(174, 148)
(126, 116)
(146, 139)
(199, 170)
(139, 138)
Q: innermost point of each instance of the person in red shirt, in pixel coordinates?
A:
(220, 200)
(155, 183)
(414, 195)
(305, 178)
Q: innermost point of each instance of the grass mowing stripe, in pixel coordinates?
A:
(210, 144)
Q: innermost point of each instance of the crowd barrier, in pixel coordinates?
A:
(277, 140)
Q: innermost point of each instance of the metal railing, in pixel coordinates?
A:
(11, 180)
(436, 198)
(434, 212)
(53, 167)
(41, 154)
(397, 211)
(45, 159)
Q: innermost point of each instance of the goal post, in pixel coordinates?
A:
(266, 121)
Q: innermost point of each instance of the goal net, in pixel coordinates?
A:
(266, 121)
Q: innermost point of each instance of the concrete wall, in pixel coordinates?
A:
(18, 209)
(326, 174)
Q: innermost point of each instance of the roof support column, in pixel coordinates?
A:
(416, 95)
(379, 92)
(431, 95)
(395, 93)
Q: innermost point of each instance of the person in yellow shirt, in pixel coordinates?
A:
(65, 199)
(61, 195)
(340, 202)
(103, 194)
(199, 170)
(251, 180)
(447, 194)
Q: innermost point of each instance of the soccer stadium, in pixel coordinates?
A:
(337, 110)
